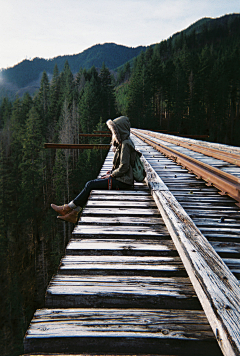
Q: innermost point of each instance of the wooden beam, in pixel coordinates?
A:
(216, 287)
(77, 146)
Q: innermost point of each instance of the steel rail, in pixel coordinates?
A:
(206, 144)
(225, 182)
(229, 157)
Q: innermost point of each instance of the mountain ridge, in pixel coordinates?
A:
(26, 75)
(113, 55)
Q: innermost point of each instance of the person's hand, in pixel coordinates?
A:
(107, 175)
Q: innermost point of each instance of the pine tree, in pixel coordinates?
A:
(43, 95)
(90, 103)
(54, 95)
(135, 107)
(32, 169)
(107, 95)
(67, 84)
(5, 111)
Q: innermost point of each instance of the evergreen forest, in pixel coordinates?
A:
(189, 84)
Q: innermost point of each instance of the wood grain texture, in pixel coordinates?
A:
(130, 247)
(124, 331)
(111, 231)
(119, 291)
(122, 265)
(216, 287)
(121, 220)
(121, 211)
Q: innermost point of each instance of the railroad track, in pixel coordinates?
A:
(218, 217)
(149, 271)
(216, 164)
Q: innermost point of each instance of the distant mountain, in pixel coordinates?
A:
(27, 74)
(207, 24)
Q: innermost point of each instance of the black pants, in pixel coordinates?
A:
(99, 184)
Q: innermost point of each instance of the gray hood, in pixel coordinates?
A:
(120, 129)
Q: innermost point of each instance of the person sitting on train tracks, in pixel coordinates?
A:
(119, 178)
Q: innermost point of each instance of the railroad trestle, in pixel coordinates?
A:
(151, 271)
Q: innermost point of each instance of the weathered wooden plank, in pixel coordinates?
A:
(192, 188)
(216, 287)
(121, 220)
(220, 229)
(120, 192)
(121, 331)
(120, 197)
(205, 198)
(213, 213)
(225, 221)
(233, 264)
(222, 237)
(227, 250)
(123, 204)
(209, 206)
(219, 203)
(121, 291)
(131, 247)
(122, 265)
(122, 211)
(85, 230)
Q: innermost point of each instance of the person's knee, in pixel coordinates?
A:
(89, 184)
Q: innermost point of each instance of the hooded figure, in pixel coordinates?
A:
(123, 146)
(120, 177)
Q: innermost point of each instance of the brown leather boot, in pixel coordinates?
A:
(71, 217)
(63, 209)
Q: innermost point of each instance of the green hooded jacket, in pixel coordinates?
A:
(125, 153)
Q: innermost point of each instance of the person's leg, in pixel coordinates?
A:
(96, 184)
(69, 212)
(75, 206)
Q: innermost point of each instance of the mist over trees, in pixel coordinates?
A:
(188, 84)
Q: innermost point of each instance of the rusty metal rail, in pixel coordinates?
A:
(230, 157)
(225, 182)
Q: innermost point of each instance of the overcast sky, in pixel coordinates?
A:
(49, 28)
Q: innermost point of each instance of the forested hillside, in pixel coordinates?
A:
(25, 76)
(189, 83)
